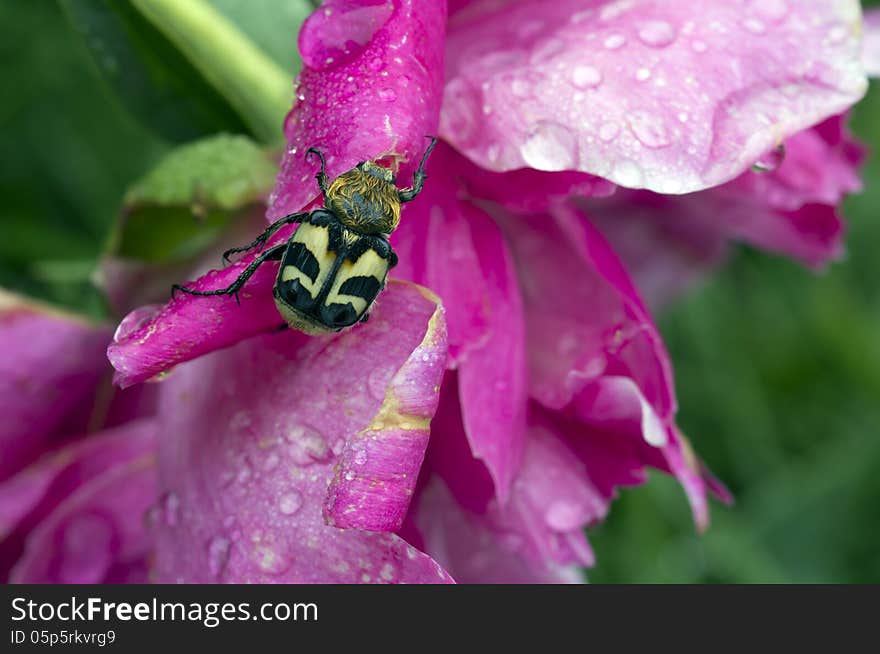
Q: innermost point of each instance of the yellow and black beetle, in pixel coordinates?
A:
(334, 265)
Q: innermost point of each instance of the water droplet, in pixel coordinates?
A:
(837, 34)
(135, 320)
(360, 454)
(271, 462)
(387, 572)
(608, 130)
(550, 146)
(627, 173)
(648, 129)
(614, 41)
(349, 476)
(170, 504)
(387, 94)
(657, 33)
(754, 25)
(683, 117)
(614, 10)
(643, 74)
(520, 88)
(333, 38)
(586, 77)
(290, 503)
(269, 559)
(770, 160)
(772, 10)
(244, 473)
(218, 555)
(699, 46)
(308, 445)
(563, 515)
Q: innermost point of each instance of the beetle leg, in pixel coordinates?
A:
(409, 194)
(271, 229)
(272, 254)
(321, 176)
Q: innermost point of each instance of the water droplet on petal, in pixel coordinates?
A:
(563, 515)
(308, 446)
(586, 77)
(328, 39)
(837, 34)
(269, 559)
(643, 74)
(770, 160)
(627, 173)
(657, 33)
(218, 555)
(608, 131)
(360, 454)
(648, 129)
(387, 572)
(387, 94)
(699, 46)
(754, 25)
(135, 320)
(614, 41)
(772, 10)
(170, 503)
(550, 146)
(520, 88)
(290, 503)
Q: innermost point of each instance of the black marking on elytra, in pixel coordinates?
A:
(300, 257)
(366, 287)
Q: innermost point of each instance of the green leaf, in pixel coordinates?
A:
(186, 70)
(182, 206)
(151, 77)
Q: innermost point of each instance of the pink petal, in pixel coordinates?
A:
(492, 377)
(379, 466)
(153, 339)
(871, 42)
(98, 534)
(462, 542)
(584, 318)
(454, 248)
(50, 366)
(652, 94)
(537, 534)
(252, 436)
(437, 247)
(370, 86)
(30, 496)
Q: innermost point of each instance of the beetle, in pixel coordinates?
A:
(337, 261)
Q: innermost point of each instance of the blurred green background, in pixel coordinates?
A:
(778, 369)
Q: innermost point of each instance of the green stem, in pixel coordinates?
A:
(253, 83)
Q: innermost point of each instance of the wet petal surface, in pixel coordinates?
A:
(646, 94)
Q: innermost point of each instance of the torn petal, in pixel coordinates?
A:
(378, 468)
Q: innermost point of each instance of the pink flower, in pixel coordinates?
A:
(71, 507)
(482, 425)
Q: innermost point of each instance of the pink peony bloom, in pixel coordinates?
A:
(471, 432)
(72, 503)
